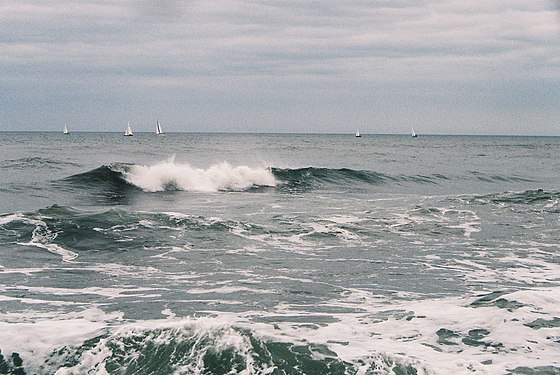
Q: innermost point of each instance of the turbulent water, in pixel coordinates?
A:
(279, 254)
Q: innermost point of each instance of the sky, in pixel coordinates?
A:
(305, 66)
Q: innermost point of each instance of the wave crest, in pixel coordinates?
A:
(219, 177)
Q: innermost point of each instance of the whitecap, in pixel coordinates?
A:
(169, 175)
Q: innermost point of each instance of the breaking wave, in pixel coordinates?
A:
(219, 177)
(169, 175)
(200, 346)
(117, 178)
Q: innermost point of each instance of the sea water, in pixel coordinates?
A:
(279, 254)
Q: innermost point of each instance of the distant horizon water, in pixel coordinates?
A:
(352, 133)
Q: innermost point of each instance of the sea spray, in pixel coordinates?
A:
(169, 175)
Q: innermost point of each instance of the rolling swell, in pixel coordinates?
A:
(69, 232)
(34, 162)
(315, 177)
(110, 174)
(107, 183)
(527, 197)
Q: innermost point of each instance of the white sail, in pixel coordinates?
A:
(158, 128)
(414, 135)
(358, 133)
(128, 131)
(65, 131)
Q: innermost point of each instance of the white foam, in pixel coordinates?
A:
(109, 292)
(42, 237)
(36, 340)
(9, 218)
(168, 312)
(19, 217)
(24, 270)
(279, 240)
(123, 270)
(226, 290)
(468, 228)
(407, 329)
(345, 219)
(332, 229)
(219, 177)
(67, 255)
(379, 328)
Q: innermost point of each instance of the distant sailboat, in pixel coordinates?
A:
(128, 131)
(158, 128)
(65, 131)
(358, 133)
(414, 135)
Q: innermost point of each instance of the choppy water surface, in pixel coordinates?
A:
(279, 254)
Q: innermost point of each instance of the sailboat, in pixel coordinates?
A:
(414, 135)
(158, 128)
(128, 131)
(358, 133)
(65, 131)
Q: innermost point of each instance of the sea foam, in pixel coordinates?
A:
(169, 175)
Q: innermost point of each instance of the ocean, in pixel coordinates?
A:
(200, 253)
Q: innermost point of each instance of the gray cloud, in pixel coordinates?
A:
(257, 60)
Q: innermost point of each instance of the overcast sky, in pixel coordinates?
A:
(441, 66)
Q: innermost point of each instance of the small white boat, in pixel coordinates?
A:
(414, 135)
(128, 131)
(65, 131)
(358, 133)
(158, 128)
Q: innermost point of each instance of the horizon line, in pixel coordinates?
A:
(287, 133)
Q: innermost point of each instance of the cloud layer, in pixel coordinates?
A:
(446, 66)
